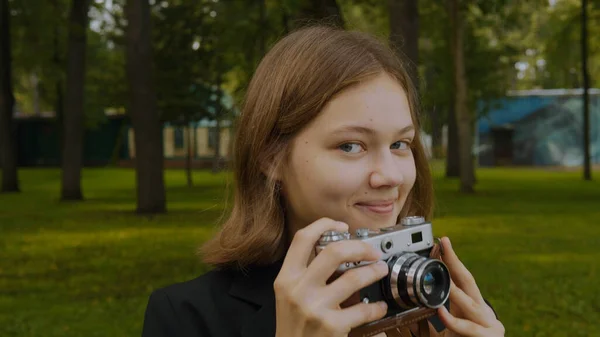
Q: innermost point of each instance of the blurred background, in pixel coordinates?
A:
(116, 121)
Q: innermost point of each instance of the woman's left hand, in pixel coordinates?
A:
(469, 315)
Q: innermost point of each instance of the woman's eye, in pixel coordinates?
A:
(400, 145)
(351, 147)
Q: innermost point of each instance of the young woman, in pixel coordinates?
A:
(328, 140)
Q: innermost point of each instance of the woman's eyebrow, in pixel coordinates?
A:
(369, 131)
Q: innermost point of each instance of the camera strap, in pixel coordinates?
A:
(423, 328)
(406, 332)
(397, 326)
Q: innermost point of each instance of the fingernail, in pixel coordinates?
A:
(377, 253)
(383, 305)
(449, 243)
(384, 267)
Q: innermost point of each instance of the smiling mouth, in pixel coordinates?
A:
(379, 207)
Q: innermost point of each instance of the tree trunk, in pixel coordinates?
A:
(58, 85)
(72, 147)
(216, 167)
(436, 112)
(188, 155)
(436, 132)
(8, 144)
(404, 34)
(116, 152)
(217, 155)
(59, 107)
(327, 10)
(452, 153)
(232, 118)
(144, 111)
(35, 83)
(463, 118)
(285, 17)
(587, 169)
(330, 9)
(263, 28)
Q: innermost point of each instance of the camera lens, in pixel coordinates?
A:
(417, 281)
(433, 283)
(428, 283)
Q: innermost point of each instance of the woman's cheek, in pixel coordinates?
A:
(409, 171)
(337, 181)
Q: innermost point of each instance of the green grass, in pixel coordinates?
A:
(530, 237)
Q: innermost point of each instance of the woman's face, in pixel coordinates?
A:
(353, 163)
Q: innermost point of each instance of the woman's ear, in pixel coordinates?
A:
(273, 165)
(271, 170)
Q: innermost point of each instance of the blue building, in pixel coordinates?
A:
(538, 128)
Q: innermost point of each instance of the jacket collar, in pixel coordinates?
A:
(255, 286)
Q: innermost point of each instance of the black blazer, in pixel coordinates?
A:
(219, 303)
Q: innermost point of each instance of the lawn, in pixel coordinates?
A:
(530, 237)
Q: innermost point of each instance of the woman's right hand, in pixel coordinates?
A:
(305, 304)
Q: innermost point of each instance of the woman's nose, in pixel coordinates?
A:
(386, 172)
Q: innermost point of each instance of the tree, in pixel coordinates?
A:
(179, 39)
(190, 34)
(106, 83)
(143, 109)
(587, 171)
(8, 155)
(327, 10)
(553, 40)
(73, 129)
(463, 117)
(404, 34)
(453, 151)
(41, 29)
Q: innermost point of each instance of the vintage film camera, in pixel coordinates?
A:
(416, 284)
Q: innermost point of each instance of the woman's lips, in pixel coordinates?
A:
(378, 207)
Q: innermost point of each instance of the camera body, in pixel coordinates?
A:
(415, 282)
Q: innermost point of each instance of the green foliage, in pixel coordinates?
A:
(39, 41)
(86, 269)
(493, 35)
(231, 43)
(562, 49)
(39, 49)
(366, 16)
(247, 35)
(552, 44)
(184, 56)
(105, 83)
(435, 68)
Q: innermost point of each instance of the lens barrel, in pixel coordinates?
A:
(415, 280)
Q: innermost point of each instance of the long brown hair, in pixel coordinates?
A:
(291, 85)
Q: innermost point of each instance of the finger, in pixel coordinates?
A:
(459, 273)
(326, 263)
(303, 243)
(359, 314)
(468, 307)
(460, 326)
(354, 280)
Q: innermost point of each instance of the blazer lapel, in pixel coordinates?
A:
(255, 286)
